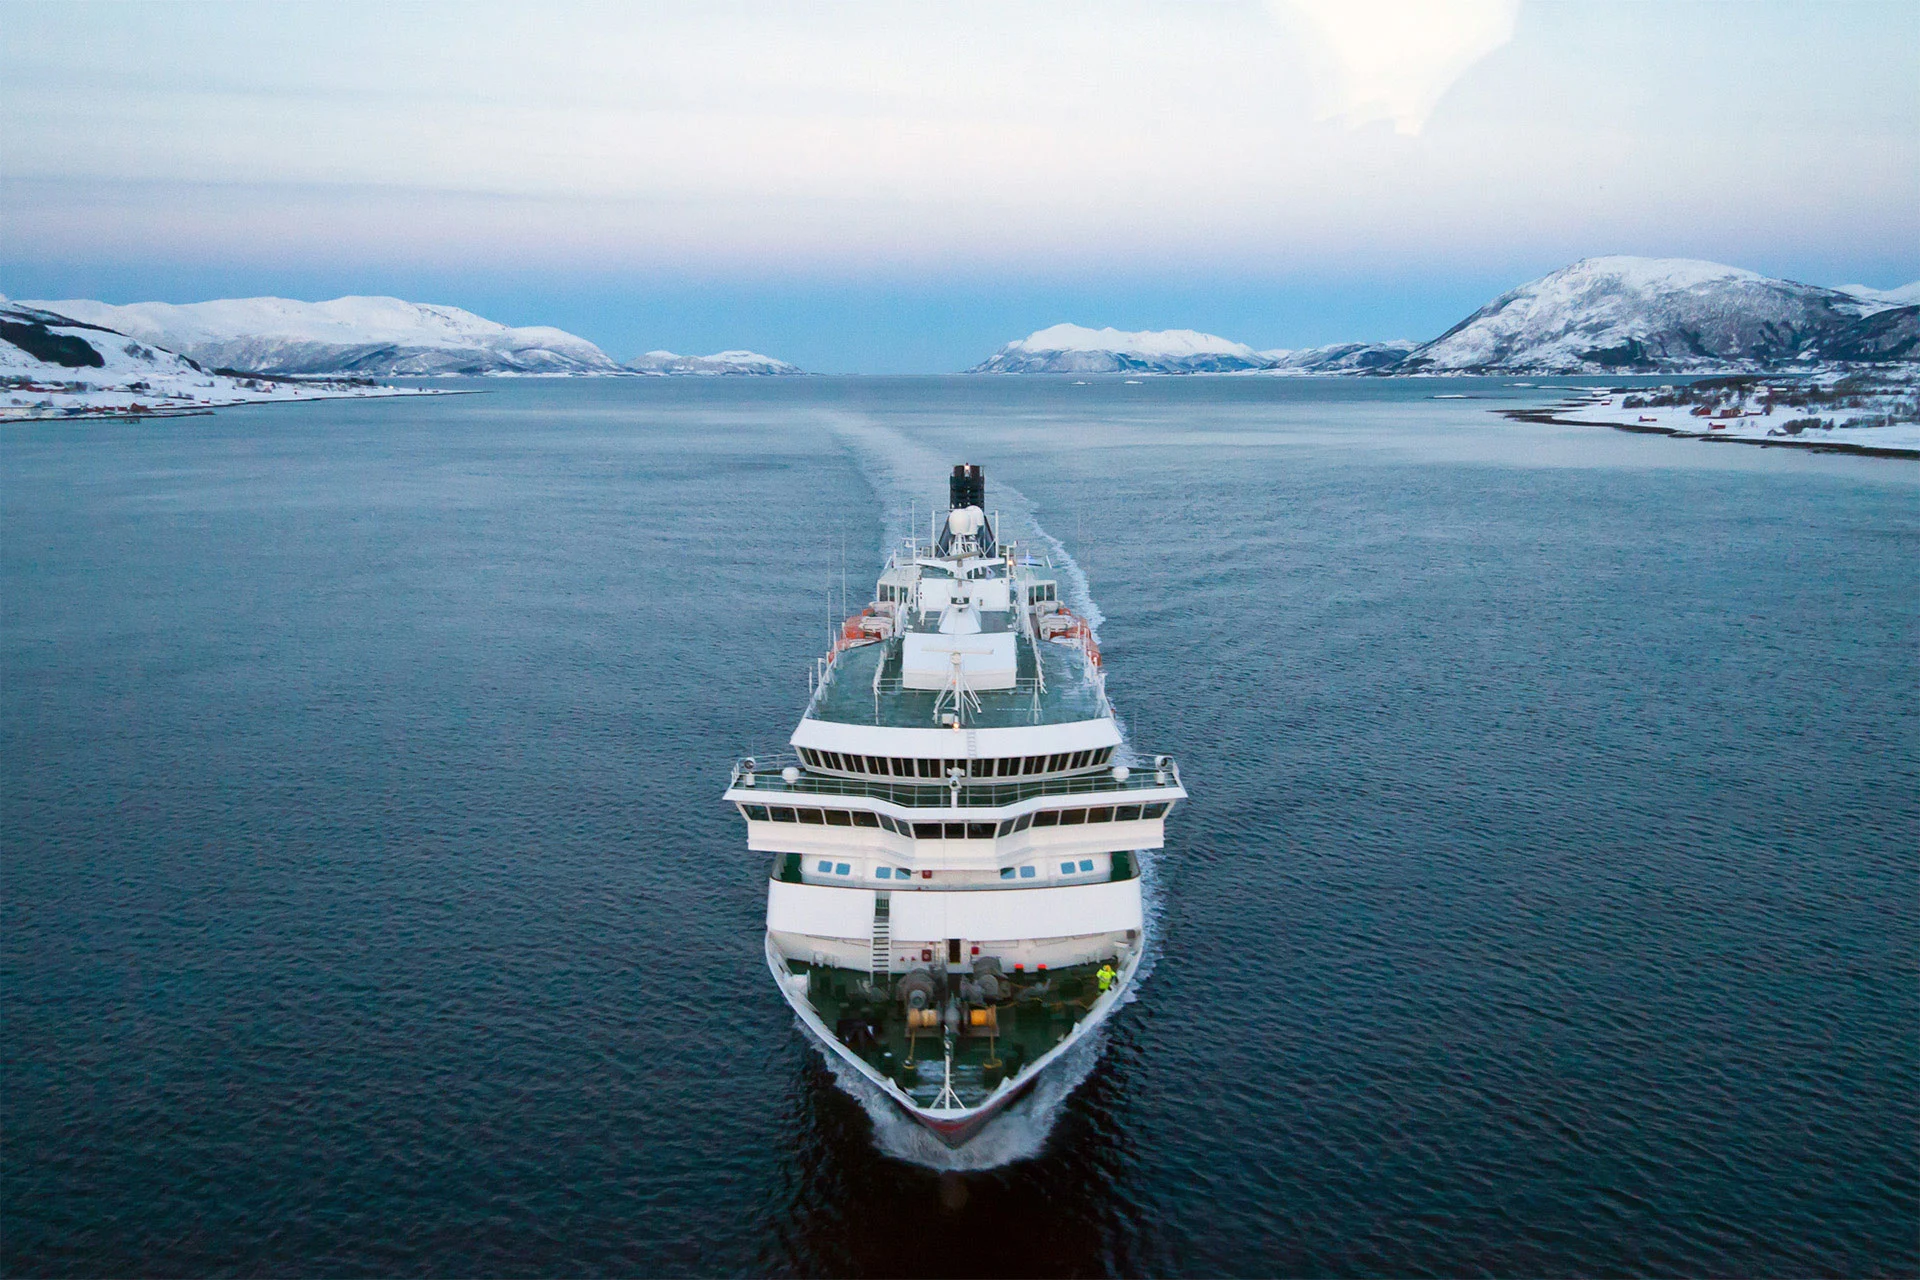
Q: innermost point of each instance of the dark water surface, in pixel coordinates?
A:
(1548, 902)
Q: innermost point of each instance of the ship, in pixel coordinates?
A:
(957, 829)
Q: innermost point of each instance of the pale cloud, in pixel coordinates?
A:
(1395, 59)
(726, 133)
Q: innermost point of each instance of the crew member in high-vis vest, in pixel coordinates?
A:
(1106, 976)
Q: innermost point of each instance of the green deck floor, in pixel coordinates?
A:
(1046, 1007)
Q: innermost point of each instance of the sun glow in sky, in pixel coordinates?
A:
(878, 186)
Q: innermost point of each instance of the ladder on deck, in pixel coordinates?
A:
(882, 954)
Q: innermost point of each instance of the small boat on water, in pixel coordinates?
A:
(953, 898)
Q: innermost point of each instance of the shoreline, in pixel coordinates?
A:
(122, 413)
(1551, 417)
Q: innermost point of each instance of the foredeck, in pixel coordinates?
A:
(1065, 695)
(1045, 1008)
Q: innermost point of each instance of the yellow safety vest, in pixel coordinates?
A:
(1106, 978)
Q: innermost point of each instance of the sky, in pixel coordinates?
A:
(890, 188)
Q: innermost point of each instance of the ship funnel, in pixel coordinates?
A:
(967, 488)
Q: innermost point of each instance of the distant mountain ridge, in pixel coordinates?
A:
(378, 337)
(1069, 348)
(368, 336)
(721, 364)
(1597, 316)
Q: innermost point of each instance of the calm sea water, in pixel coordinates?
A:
(1548, 902)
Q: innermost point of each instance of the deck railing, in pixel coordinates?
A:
(771, 779)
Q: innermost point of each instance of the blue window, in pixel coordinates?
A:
(842, 869)
(1026, 873)
(826, 868)
(885, 873)
(1086, 864)
(1006, 873)
(1066, 868)
(901, 873)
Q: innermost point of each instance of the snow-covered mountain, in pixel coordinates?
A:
(720, 364)
(1341, 357)
(378, 337)
(1907, 295)
(54, 365)
(1069, 348)
(1665, 315)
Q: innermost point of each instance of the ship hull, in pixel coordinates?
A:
(954, 1127)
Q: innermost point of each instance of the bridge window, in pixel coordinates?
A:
(1080, 759)
(979, 831)
(780, 813)
(755, 812)
(1126, 813)
(926, 831)
(1072, 817)
(861, 818)
(812, 816)
(980, 768)
(928, 768)
(839, 818)
(956, 831)
(1056, 763)
(1102, 814)
(1153, 810)
(1046, 818)
(1008, 766)
(1022, 822)
(1035, 764)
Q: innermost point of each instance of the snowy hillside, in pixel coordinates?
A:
(720, 364)
(1341, 357)
(53, 365)
(1069, 348)
(1670, 315)
(379, 337)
